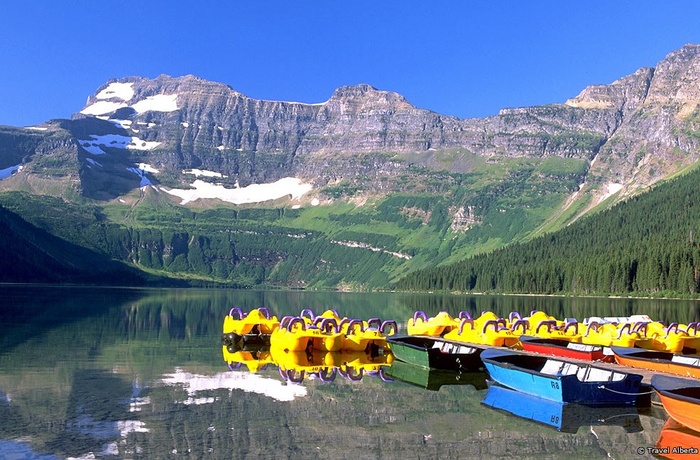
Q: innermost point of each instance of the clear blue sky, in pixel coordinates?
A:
(463, 58)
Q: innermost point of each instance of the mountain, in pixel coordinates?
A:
(644, 246)
(355, 191)
(33, 255)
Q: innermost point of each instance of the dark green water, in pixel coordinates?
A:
(122, 373)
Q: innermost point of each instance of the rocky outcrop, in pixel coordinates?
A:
(632, 132)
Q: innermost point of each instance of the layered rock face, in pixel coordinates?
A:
(356, 119)
(631, 132)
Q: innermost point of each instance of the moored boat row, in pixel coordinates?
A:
(325, 332)
(536, 355)
(489, 329)
(634, 342)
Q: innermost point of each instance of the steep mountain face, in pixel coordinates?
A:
(192, 123)
(658, 129)
(519, 173)
(632, 130)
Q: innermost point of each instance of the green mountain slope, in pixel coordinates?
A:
(648, 245)
(344, 243)
(212, 187)
(30, 254)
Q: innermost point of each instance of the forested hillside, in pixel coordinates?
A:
(647, 245)
(30, 254)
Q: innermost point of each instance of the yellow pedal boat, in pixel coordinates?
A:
(672, 338)
(257, 321)
(294, 334)
(539, 324)
(436, 326)
(610, 334)
(487, 329)
(362, 336)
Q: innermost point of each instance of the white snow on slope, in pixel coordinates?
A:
(117, 141)
(202, 172)
(123, 91)
(148, 168)
(613, 188)
(124, 124)
(93, 162)
(157, 103)
(7, 172)
(254, 193)
(102, 108)
(250, 383)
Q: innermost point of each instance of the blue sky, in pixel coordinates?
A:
(462, 58)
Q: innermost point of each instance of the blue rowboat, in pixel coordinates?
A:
(567, 418)
(561, 381)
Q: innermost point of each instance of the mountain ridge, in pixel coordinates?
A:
(377, 172)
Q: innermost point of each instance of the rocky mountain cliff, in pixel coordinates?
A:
(631, 132)
(518, 173)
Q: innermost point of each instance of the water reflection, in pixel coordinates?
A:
(434, 379)
(567, 418)
(123, 373)
(677, 441)
(196, 384)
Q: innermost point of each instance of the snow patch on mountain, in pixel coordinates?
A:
(94, 144)
(254, 193)
(148, 168)
(203, 172)
(145, 182)
(102, 108)
(157, 103)
(93, 162)
(123, 91)
(613, 188)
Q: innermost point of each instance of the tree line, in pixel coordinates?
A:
(647, 245)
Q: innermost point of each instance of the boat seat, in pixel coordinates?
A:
(554, 367)
(594, 374)
(580, 347)
(688, 360)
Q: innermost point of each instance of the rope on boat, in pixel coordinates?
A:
(603, 387)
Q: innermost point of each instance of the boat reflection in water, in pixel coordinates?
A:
(433, 379)
(567, 418)
(677, 441)
(295, 366)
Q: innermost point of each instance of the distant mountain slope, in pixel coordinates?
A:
(648, 245)
(30, 254)
(397, 187)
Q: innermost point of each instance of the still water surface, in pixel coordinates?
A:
(126, 373)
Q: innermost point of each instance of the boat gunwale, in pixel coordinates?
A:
(401, 340)
(633, 354)
(526, 357)
(660, 383)
(555, 347)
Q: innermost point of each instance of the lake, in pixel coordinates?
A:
(140, 373)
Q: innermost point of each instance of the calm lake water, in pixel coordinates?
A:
(127, 373)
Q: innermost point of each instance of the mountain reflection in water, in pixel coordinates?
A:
(124, 373)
